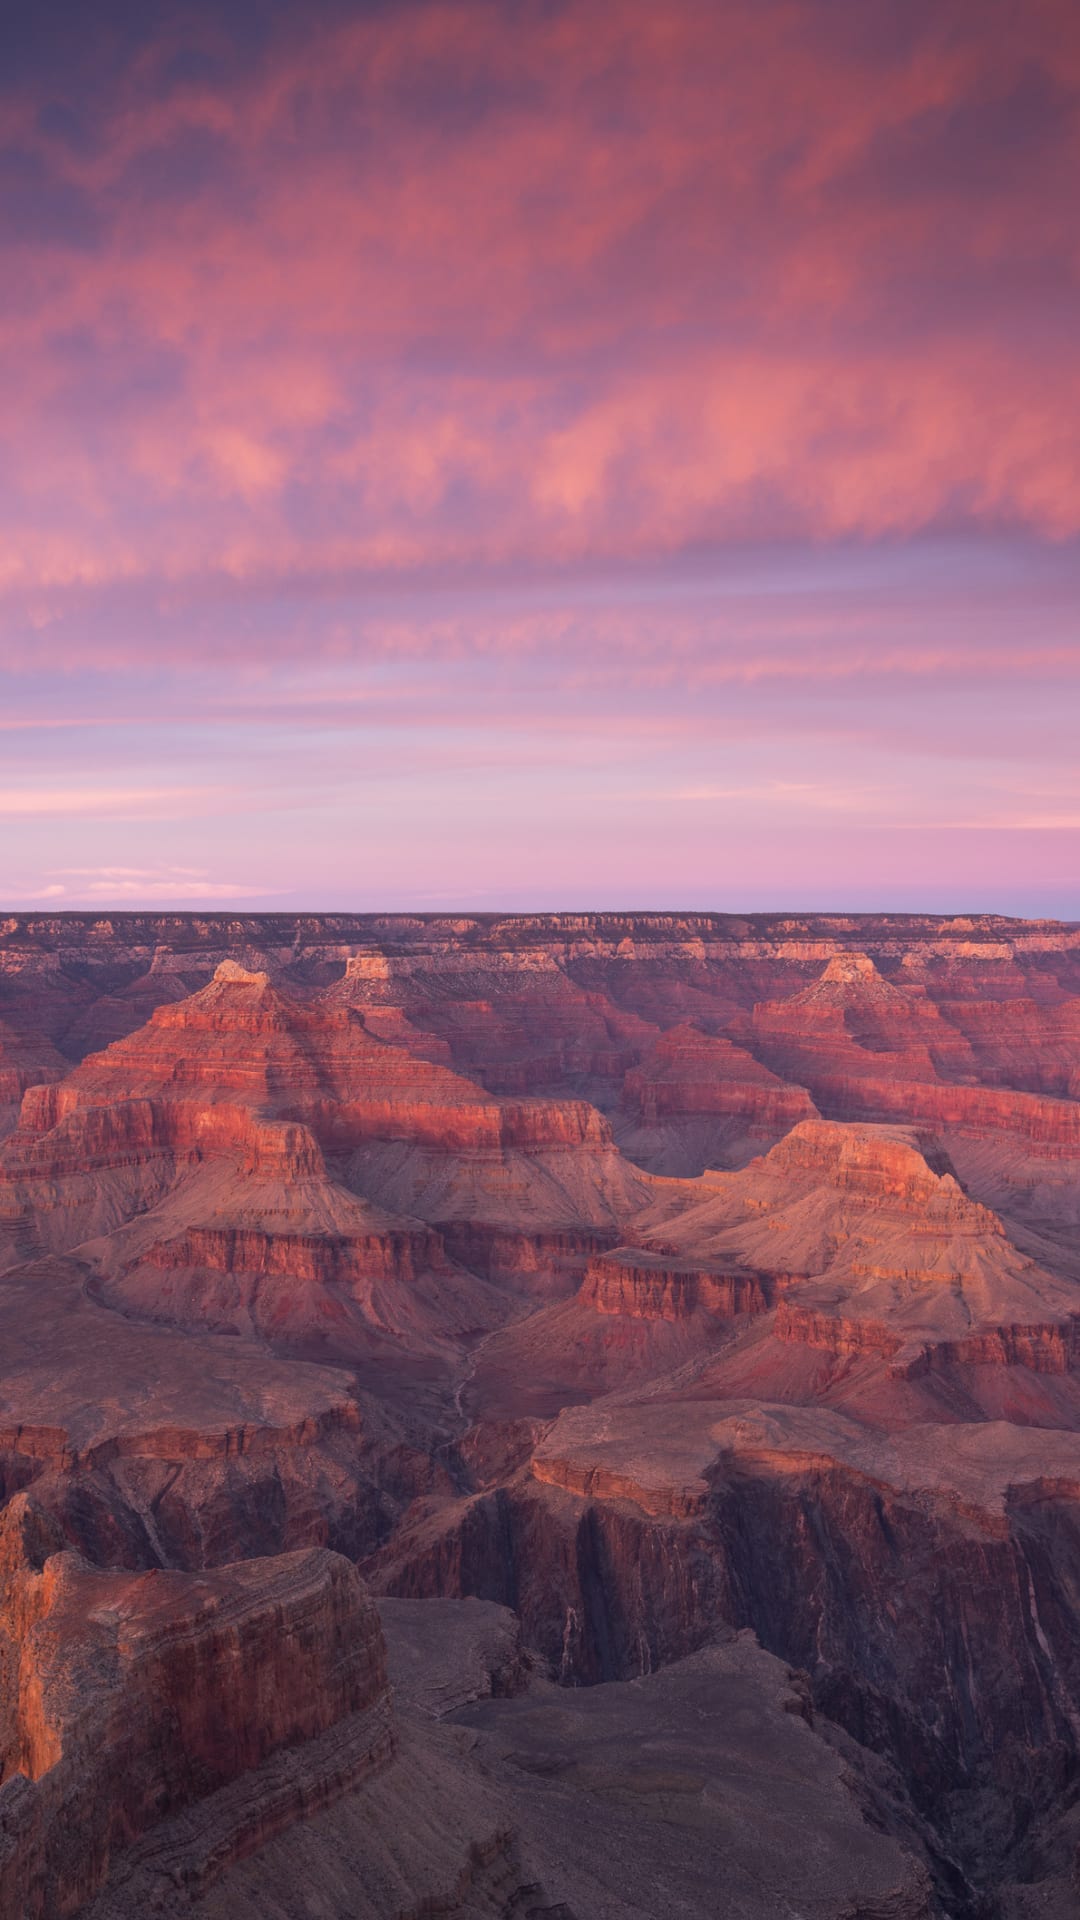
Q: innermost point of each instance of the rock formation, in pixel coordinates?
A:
(129, 1697)
(697, 1100)
(672, 1320)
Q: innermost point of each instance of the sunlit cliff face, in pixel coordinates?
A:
(548, 454)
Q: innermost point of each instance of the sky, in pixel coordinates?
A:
(567, 454)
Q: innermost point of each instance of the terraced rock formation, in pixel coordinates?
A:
(672, 1321)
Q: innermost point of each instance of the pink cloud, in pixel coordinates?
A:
(467, 288)
(507, 420)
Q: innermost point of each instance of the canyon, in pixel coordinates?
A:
(551, 1417)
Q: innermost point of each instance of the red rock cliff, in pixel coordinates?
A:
(133, 1696)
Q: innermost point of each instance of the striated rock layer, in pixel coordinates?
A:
(130, 1696)
(675, 1321)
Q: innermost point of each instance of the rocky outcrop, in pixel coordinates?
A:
(649, 1286)
(647, 1797)
(688, 1072)
(25, 1060)
(868, 1049)
(509, 1017)
(240, 1071)
(651, 1524)
(545, 1264)
(871, 1244)
(240, 1045)
(135, 1696)
(354, 1289)
(1053, 1126)
(306, 1259)
(696, 1100)
(1020, 1042)
(156, 1447)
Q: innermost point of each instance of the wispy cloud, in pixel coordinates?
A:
(149, 884)
(457, 447)
(446, 285)
(24, 803)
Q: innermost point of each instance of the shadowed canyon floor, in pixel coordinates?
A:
(574, 1418)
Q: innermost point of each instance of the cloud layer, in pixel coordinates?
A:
(476, 379)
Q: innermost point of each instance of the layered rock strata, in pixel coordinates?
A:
(133, 1696)
(659, 1277)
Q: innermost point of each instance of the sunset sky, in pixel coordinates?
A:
(541, 455)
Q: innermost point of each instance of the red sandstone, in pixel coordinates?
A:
(659, 1277)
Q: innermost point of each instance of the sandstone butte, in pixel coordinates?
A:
(549, 1417)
